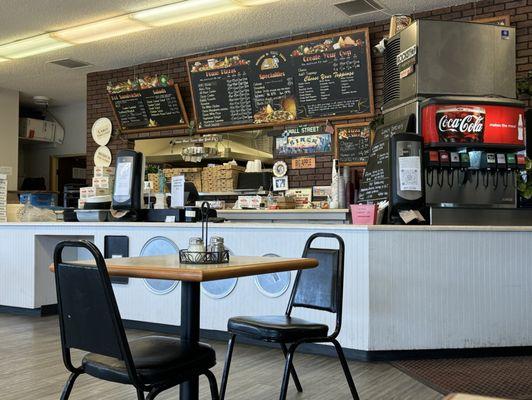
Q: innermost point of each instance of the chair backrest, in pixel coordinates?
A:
(321, 288)
(88, 314)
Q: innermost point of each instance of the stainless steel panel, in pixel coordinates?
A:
(456, 58)
(469, 194)
(465, 59)
(481, 216)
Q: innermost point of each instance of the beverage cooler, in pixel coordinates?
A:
(473, 149)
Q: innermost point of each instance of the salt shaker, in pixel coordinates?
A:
(196, 245)
(217, 244)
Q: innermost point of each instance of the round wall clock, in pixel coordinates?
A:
(273, 285)
(221, 288)
(159, 246)
(280, 169)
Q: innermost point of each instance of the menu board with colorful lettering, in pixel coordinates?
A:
(311, 80)
(353, 143)
(147, 109)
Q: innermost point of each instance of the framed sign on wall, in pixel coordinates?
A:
(148, 104)
(353, 143)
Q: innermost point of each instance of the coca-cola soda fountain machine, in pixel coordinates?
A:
(457, 79)
(474, 147)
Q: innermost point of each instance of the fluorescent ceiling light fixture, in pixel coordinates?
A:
(100, 30)
(184, 11)
(249, 3)
(31, 46)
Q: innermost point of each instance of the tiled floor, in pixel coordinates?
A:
(31, 368)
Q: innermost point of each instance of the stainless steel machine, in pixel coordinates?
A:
(458, 80)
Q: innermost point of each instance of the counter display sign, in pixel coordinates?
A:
(353, 142)
(303, 140)
(326, 77)
(375, 185)
(148, 104)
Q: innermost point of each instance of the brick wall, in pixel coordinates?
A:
(98, 104)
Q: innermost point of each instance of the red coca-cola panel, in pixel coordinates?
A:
(473, 123)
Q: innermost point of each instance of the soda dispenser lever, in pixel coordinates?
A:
(445, 164)
(511, 163)
(465, 163)
(455, 166)
(520, 161)
(432, 161)
(501, 170)
(491, 168)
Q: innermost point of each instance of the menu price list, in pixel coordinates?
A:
(130, 110)
(354, 149)
(375, 184)
(311, 79)
(223, 96)
(148, 108)
(332, 83)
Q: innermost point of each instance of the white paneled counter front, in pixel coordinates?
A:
(406, 288)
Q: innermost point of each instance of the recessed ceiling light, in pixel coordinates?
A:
(184, 11)
(31, 46)
(99, 30)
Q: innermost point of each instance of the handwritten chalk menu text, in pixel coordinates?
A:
(311, 80)
(149, 109)
(375, 185)
(353, 142)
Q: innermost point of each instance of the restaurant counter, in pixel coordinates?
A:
(406, 287)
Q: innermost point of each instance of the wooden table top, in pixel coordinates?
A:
(169, 267)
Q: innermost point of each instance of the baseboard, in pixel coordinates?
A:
(351, 354)
(43, 311)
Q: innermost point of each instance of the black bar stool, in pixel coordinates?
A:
(321, 289)
(90, 321)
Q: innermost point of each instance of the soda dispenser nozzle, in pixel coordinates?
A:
(491, 166)
(502, 169)
(465, 163)
(432, 162)
(445, 164)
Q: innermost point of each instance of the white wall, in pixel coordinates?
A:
(37, 155)
(9, 105)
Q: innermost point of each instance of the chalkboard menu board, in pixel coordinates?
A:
(401, 126)
(311, 80)
(375, 185)
(149, 109)
(353, 143)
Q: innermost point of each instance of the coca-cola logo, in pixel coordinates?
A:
(461, 124)
(468, 124)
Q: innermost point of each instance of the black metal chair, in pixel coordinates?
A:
(90, 321)
(321, 289)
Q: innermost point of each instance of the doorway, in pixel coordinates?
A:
(67, 170)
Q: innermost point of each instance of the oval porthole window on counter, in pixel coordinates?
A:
(273, 285)
(221, 288)
(159, 246)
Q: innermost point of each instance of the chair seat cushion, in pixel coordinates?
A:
(156, 358)
(276, 328)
